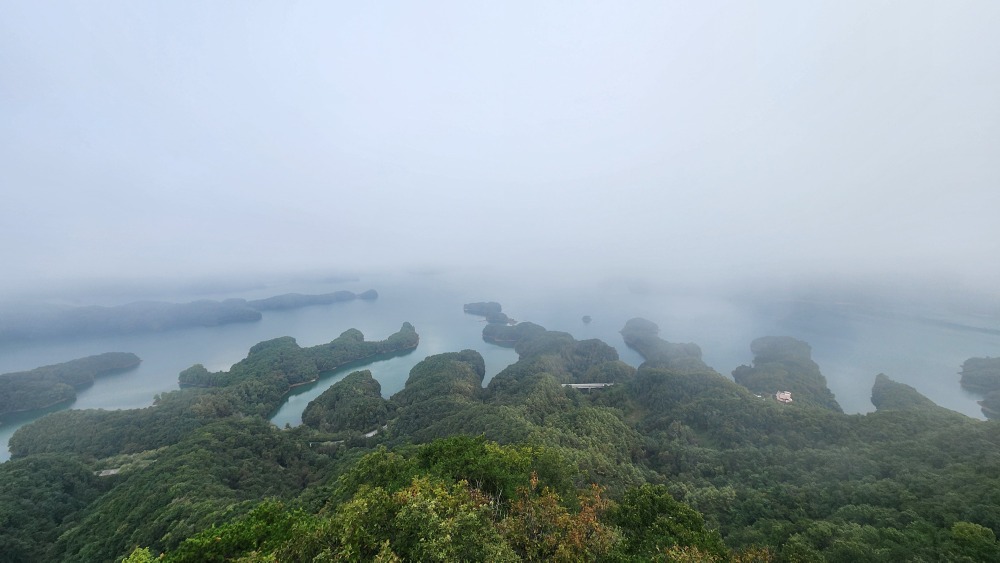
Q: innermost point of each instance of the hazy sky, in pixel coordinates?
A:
(720, 139)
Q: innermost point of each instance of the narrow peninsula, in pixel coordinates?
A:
(48, 386)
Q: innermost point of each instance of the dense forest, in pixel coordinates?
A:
(671, 461)
(58, 383)
(982, 376)
(491, 310)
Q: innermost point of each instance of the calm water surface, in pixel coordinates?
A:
(850, 349)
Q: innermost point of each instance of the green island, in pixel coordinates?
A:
(353, 404)
(56, 384)
(296, 300)
(282, 360)
(568, 454)
(491, 310)
(32, 322)
(982, 377)
(782, 362)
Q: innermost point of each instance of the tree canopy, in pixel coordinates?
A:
(673, 462)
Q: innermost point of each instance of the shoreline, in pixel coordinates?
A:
(68, 401)
(76, 388)
(360, 361)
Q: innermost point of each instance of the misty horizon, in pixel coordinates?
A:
(777, 144)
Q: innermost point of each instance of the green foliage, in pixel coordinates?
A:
(520, 379)
(283, 359)
(423, 507)
(641, 335)
(525, 402)
(434, 521)
(215, 472)
(459, 499)
(428, 520)
(888, 394)
(615, 371)
(198, 375)
(351, 347)
(540, 528)
(280, 357)
(489, 309)
(651, 521)
(509, 335)
(482, 308)
(140, 555)
(493, 469)
(559, 355)
(354, 403)
(206, 470)
(270, 525)
(982, 376)
(50, 385)
(782, 363)
(454, 374)
(972, 542)
(547, 343)
(381, 468)
(100, 433)
(761, 472)
(685, 455)
(40, 497)
(991, 405)
(254, 386)
(401, 341)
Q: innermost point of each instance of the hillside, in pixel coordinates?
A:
(672, 461)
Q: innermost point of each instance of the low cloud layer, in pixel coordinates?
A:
(671, 139)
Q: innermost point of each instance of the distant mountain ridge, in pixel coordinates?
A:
(48, 321)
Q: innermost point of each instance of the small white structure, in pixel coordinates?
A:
(783, 396)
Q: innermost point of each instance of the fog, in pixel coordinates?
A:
(705, 143)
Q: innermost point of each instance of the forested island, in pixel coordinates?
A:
(982, 376)
(296, 300)
(353, 404)
(48, 386)
(50, 321)
(283, 359)
(673, 462)
(491, 310)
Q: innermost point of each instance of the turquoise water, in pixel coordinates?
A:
(850, 350)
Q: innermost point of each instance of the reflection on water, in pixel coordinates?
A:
(850, 348)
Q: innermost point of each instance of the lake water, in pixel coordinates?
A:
(850, 349)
